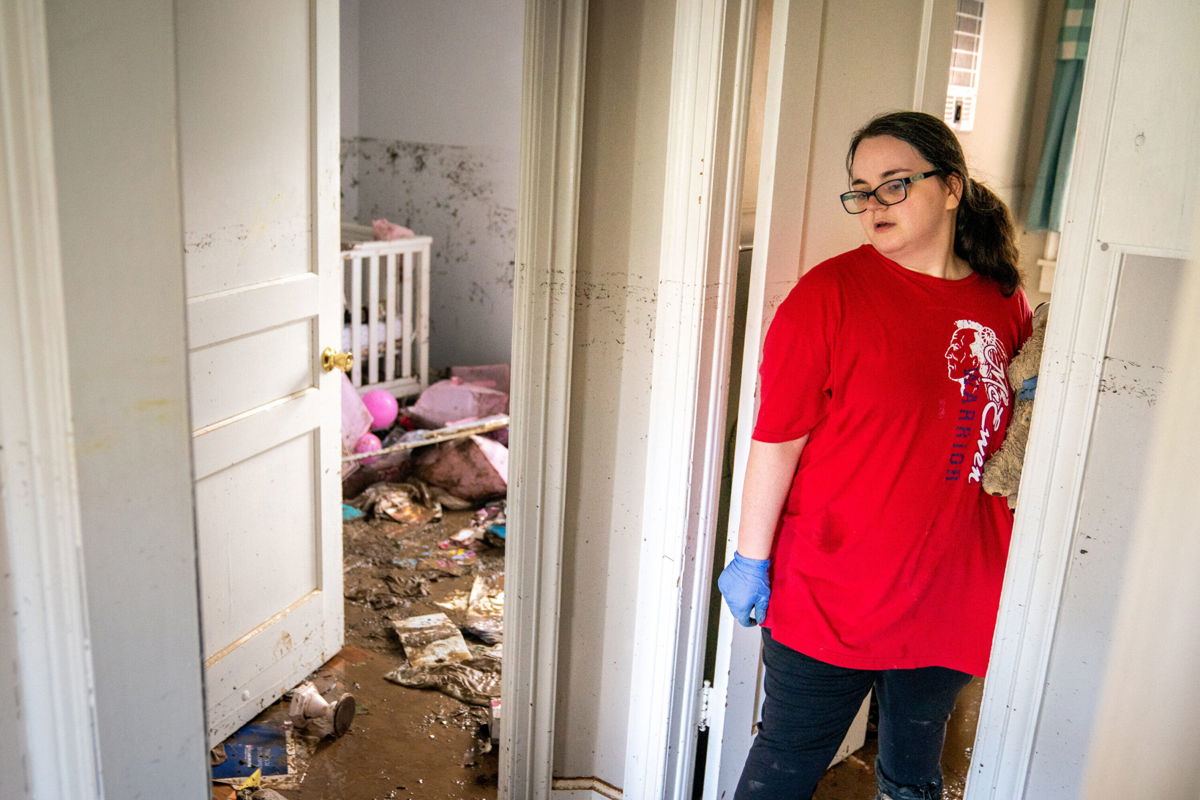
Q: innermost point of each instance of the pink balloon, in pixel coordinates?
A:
(368, 443)
(383, 408)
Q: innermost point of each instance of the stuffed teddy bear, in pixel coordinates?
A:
(1002, 472)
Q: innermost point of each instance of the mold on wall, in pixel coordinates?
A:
(459, 196)
(431, 98)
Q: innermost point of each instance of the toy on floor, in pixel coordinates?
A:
(1002, 472)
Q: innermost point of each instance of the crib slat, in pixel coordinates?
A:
(406, 323)
(422, 321)
(389, 360)
(373, 322)
(356, 268)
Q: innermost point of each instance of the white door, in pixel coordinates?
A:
(258, 106)
(809, 110)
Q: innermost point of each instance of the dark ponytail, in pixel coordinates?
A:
(984, 235)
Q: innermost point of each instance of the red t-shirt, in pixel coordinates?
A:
(888, 553)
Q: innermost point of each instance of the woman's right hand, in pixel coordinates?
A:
(745, 586)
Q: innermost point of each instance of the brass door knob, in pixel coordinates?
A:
(331, 360)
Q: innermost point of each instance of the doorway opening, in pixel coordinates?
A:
(429, 162)
(1015, 70)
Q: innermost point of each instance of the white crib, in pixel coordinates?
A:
(387, 310)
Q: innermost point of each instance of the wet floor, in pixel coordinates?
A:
(405, 744)
(420, 744)
(854, 778)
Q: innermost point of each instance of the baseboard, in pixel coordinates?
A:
(583, 789)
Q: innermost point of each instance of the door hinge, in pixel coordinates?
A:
(705, 700)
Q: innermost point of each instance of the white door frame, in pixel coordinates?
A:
(56, 749)
(543, 324)
(709, 102)
(1085, 295)
(782, 197)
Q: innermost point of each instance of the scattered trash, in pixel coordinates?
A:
(466, 682)
(431, 640)
(482, 608)
(267, 794)
(473, 469)
(465, 536)
(310, 711)
(403, 502)
(387, 592)
(384, 561)
(497, 535)
(250, 786)
(453, 562)
(455, 602)
(488, 525)
(350, 513)
(485, 609)
(258, 755)
(494, 721)
(491, 514)
(455, 400)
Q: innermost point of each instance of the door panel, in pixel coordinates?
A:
(223, 386)
(258, 149)
(246, 108)
(246, 528)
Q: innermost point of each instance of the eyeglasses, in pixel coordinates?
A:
(888, 193)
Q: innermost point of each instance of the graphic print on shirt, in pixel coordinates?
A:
(975, 361)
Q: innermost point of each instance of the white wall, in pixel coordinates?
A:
(14, 760)
(1146, 724)
(847, 95)
(621, 194)
(436, 148)
(348, 29)
(1131, 390)
(112, 67)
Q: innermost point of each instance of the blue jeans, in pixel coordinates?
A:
(809, 706)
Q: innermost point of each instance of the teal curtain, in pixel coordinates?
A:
(1046, 204)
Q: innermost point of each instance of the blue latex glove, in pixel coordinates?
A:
(744, 585)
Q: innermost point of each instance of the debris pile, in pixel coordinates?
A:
(439, 597)
(424, 529)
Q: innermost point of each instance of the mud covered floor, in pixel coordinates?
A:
(854, 778)
(405, 744)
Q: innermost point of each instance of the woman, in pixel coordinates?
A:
(863, 520)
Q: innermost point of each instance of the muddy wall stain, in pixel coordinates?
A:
(465, 198)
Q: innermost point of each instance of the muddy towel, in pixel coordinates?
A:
(462, 682)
